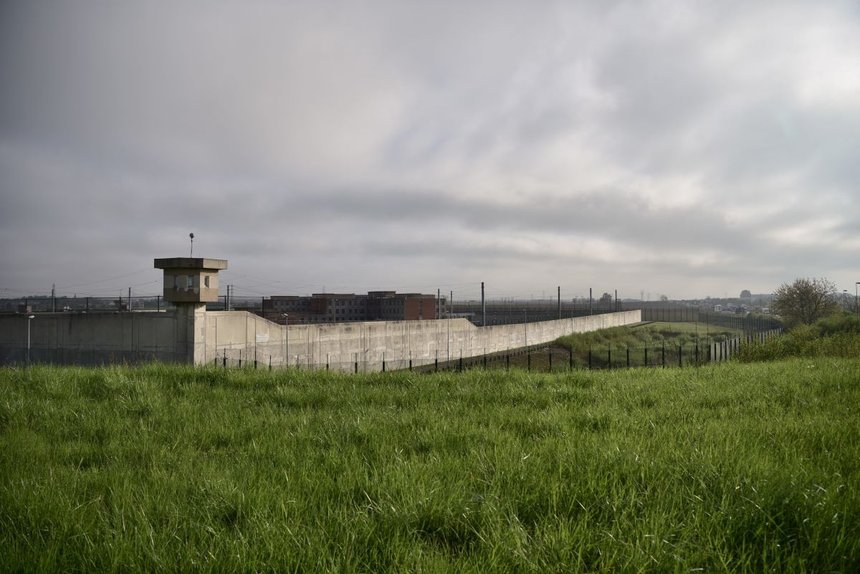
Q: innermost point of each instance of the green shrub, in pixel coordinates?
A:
(839, 323)
(834, 336)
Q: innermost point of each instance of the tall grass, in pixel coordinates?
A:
(735, 467)
(649, 334)
(835, 336)
(647, 344)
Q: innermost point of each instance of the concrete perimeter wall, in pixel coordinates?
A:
(236, 336)
(194, 336)
(94, 338)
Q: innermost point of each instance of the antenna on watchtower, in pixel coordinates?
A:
(191, 235)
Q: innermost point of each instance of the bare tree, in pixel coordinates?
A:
(804, 300)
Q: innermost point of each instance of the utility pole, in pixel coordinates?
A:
(438, 303)
(29, 318)
(448, 343)
(53, 298)
(525, 328)
(286, 339)
(559, 301)
(129, 298)
(483, 307)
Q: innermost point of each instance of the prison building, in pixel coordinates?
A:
(349, 307)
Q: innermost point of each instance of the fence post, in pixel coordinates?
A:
(529, 360)
(628, 357)
(570, 358)
(550, 360)
(609, 357)
(664, 355)
(680, 356)
(646, 355)
(589, 358)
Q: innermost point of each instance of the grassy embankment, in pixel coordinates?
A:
(645, 344)
(740, 467)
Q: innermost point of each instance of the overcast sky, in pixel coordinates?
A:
(686, 148)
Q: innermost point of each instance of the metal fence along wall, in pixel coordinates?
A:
(234, 338)
(515, 311)
(492, 312)
(74, 304)
(537, 358)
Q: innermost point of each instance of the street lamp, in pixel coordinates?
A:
(526, 327)
(29, 318)
(286, 317)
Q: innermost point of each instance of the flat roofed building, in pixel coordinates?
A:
(349, 307)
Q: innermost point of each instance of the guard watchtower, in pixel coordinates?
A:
(190, 283)
(190, 279)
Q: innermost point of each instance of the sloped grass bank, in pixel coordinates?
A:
(741, 467)
(649, 335)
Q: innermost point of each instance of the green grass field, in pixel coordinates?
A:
(734, 467)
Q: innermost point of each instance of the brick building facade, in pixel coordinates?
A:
(349, 307)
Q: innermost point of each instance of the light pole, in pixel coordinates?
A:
(286, 317)
(525, 327)
(29, 318)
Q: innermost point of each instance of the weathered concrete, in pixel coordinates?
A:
(191, 335)
(94, 338)
(234, 336)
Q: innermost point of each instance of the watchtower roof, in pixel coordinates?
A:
(201, 263)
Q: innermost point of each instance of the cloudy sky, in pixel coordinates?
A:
(686, 148)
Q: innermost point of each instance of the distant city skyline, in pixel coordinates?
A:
(655, 147)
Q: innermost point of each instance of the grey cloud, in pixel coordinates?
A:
(407, 141)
